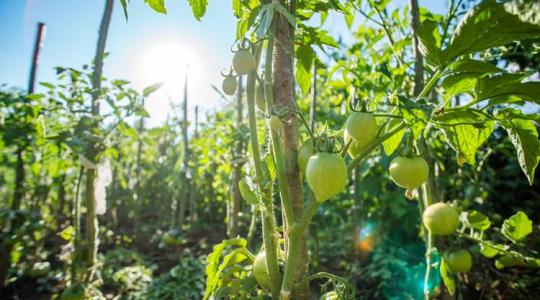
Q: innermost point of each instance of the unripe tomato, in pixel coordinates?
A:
(355, 147)
(441, 218)
(362, 127)
(304, 154)
(409, 172)
(326, 175)
(73, 292)
(259, 98)
(329, 296)
(459, 261)
(229, 85)
(275, 123)
(243, 62)
(260, 270)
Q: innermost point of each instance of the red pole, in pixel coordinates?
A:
(35, 57)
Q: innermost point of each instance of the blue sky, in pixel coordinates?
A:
(137, 48)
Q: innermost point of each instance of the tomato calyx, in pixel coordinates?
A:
(357, 105)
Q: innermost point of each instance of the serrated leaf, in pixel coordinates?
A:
(463, 137)
(157, 5)
(524, 136)
(489, 250)
(527, 10)
(477, 220)
(198, 7)
(391, 144)
(448, 280)
(517, 227)
(304, 63)
(247, 192)
(511, 259)
(428, 42)
(486, 26)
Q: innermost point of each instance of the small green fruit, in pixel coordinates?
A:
(441, 218)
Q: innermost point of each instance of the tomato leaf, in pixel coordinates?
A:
(198, 7)
(517, 227)
(304, 64)
(152, 88)
(157, 5)
(428, 42)
(247, 192)
(124, 4)
(448, 280)
(526, 10)
(486, 26)
(68, 233)
(524, 136)
(475, 219)
(489, 250)
(465, 132)
(391, 144)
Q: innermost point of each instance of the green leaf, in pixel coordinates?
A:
(285, 12)
(486, 26)
(198, 7)
(448, 280)
(157, 5)
(237, 8)
(477, 220)
(152, 88)
(67, 234)
(465, 131)
(517, 227)
(474, 66)
(391, 144)
(459, 83)
(124, 4)
(489, 250)
(304, 64)
(511, 259)
(213, 266)
(524, 136)
(247, 192)
(428, 42)
(526, 10)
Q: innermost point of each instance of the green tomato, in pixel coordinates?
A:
(441, 218)
(355, 147)
(260, 270)
(229, 85)
(304, 154)
(329, 296)
(243, 62)
(459, 261)
(259, 98)
(326, 175)
(362, 127)
(74, 292)
(409, 172)
(275, 123)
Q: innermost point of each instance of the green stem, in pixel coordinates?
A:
(430, 83)
(296, 232)
(374, 144)
(266, 196)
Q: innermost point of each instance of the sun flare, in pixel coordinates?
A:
(168, 63)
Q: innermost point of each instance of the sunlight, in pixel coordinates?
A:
(168, 62)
